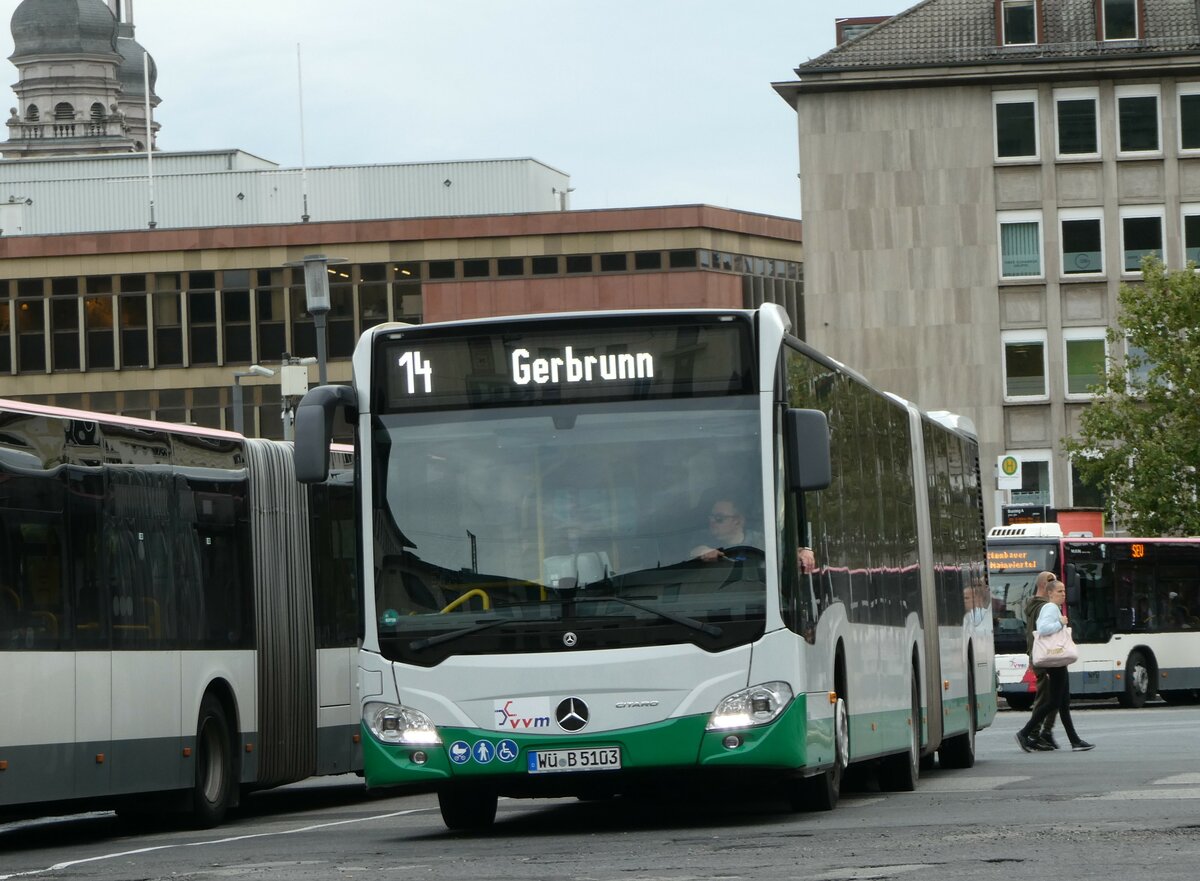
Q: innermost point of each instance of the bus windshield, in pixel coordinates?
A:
(1012, 571)
(523, 529)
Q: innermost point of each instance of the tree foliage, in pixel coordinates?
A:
(1140, 439)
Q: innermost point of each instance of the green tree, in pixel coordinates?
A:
(1140, 438)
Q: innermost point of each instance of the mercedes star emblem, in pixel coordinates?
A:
(570, 639)
(571, 714)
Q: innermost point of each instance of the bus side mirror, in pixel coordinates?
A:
(1072, 584)
(806, 439)
(314, 429)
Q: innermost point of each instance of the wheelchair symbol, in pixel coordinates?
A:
(506, 751)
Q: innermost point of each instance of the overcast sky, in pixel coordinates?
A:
(641, 102)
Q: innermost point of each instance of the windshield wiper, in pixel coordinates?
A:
(691, 623)
(419, 645)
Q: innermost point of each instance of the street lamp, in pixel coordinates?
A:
(316, 292)
(253, 370)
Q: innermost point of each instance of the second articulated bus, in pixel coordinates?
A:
(178, 619)
(1133, 603)
(610, 549)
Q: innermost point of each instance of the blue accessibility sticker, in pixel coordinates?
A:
(460, 752)
(506, 751)
(484, 752)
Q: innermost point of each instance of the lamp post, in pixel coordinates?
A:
(253, 370)
(316, 292)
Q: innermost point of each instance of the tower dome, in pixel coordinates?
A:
(129, 73)
(56, 27)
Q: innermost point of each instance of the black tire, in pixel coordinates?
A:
(214, 783)
(466, 810)
(1022, 703)
(822, 791)
(1138, 685)
(900, 772)
(959, 751)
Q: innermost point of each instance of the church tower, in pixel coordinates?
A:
(81, 86)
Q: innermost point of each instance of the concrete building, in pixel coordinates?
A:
(158, 323)
(979, 178)
(102, 310)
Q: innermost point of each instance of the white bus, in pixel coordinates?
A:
(165, 641)
(584, 568)
(1133, 603)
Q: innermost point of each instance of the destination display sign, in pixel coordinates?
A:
(560, 361)
(1017, 558)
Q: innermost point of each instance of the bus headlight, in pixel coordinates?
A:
(404, 725)
(752, 706)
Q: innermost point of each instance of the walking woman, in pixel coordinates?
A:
(1051, 620)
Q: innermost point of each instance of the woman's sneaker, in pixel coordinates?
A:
(1082, 746)
(1047, 738)
(1030, 743)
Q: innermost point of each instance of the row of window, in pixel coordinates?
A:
(1076, 122)
(1081, 240)
(1037, 484)
(1021, 22)
(242, 316)
(1085, 361)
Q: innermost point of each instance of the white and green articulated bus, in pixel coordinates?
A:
(608, 549)
(178, 619)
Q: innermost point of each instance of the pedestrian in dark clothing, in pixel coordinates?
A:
(1032, 607)
(1051, 620)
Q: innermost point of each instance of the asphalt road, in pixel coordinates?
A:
(1130, 809)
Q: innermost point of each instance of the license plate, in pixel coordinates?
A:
(550, 761)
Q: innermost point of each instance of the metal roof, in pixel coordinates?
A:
(233, 188)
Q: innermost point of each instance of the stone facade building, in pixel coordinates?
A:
(979, 178)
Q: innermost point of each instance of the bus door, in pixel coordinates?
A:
(37, 668)
(89, 626)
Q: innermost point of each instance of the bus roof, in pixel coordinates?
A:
(1027, 530)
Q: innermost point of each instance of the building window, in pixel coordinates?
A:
(5, 332)
(1035, 479)
(647, 260)
(1189, 116)
(1137, 119)
(1084, 494)
(1020, 244)
(1018, 22)
(372, 295)
(544, 265)
(477, 268)
(1086, 354)
(1024, 364)
(64, 112)
(135, 345)
(1137, 367)
(577, 263)
(1075, 123)
(509, 266)
(683, 259)
(441, 269)
(168, 321)
(612, 262)
(1141, 235)
(64, 328)
(1016, 124)
(202, 326)
(1082, 242)
(1191, 233)
(1119, 19)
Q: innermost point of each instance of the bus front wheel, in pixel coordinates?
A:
(821, 791)
(1137, 682)
(466, 809)
(214, 765)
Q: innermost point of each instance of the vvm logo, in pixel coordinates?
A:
(522, 714)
